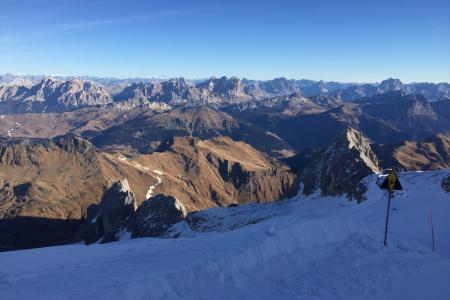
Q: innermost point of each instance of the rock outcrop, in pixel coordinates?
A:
(156, 215)
(340, 169)
(116, 216)
(114, 212)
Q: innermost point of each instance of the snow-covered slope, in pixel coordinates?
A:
(302, 248)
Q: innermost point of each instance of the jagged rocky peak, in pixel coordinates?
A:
(156, 215)
(114, 212)
(67, 93)
(280, 86)
(174, 91)
(223, 85)
(391, 84)
(178, 86)
(353, 139)
(136, 91)
(208, 84)
(342, 167)
(178, 81)
(119, 193)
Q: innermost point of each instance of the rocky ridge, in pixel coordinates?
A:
(67, 94)
(58, 94)
(341, 167)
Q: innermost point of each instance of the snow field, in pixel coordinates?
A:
(302, 248)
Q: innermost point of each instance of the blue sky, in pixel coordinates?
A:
(359, 41)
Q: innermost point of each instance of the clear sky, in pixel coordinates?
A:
(357, 40)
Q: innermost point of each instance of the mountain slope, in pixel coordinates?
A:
(146, 131)
(86, 122)
(217, 172)
(387, 118)
(307, 248)
(432, 153)
(48, 187)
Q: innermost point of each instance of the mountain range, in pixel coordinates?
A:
(26, 94)
(90, 159)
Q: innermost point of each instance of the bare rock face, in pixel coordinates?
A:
(340, 169)
(227, 89)
(117, 216)
(12, 92)
(156, 215)
(58, 94)
(173, 91)
(392, 84)
(114, 212)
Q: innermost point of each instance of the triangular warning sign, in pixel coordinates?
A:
(391, 182)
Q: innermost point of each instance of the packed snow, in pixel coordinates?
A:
(145, 169)
(152, 187)
(10, 131)
(122, 158)
(301, 248)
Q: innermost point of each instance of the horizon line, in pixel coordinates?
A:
(164, 77)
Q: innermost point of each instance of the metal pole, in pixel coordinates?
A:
(432, 227)
(387, 218)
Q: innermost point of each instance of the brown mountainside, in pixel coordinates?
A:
(48, 186)
(217, 172)
(146, 131)
(430, 154)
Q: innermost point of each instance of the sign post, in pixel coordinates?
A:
(387, 217)
(390, 183)
(432, 227)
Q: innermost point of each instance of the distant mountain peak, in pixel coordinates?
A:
(391, 84)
